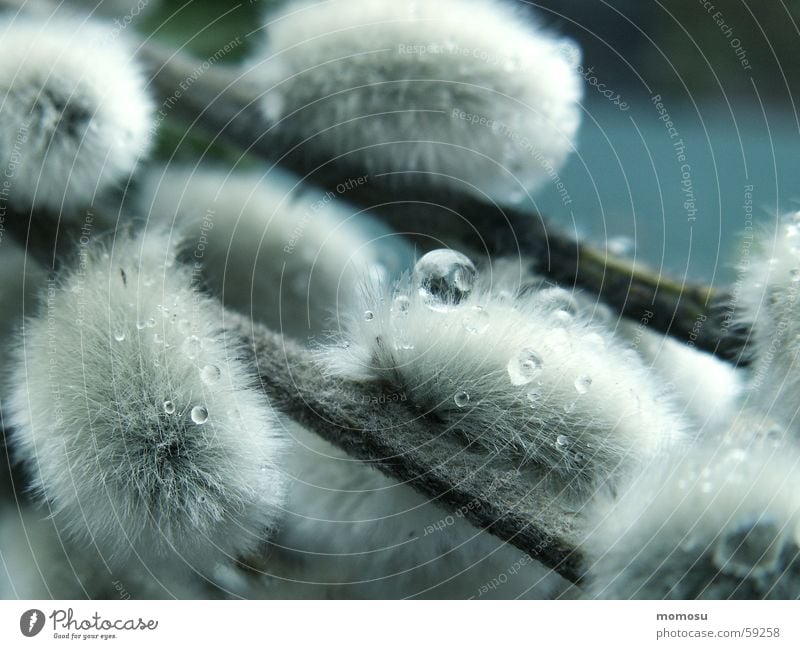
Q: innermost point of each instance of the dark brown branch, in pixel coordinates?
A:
(514, 504)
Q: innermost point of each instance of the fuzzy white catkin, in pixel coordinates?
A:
(465, 94)
(269, 246)
(528, 375)
(705, 389)
(138, 418)
(769, 301)
(721, 522)
(74, 112)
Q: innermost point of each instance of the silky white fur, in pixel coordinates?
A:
(74, 114)
(591, 410)
(681, 529)
(706, 389)
(466, 94)
(270, 247)
(770, 303)
(121, 335)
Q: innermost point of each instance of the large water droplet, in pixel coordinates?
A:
(461, 398)
(199, 414)
(192, 346)
(476, 320)
(583, 383)
(210, 374)
(750, 548)
(369, 316)
(444, 278)
(524, 367)
(169, 407)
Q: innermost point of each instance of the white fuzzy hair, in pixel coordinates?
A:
(469, 94)
(75, 115)
(706, 389)
(769, 300)
(721, 522)
(581, 405)
(352, 532)
(113, 382)
(271, 247)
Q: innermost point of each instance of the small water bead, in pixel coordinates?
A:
(369, 316)
(169, 407)
(199, 414)
(461, 399)
(583, 383)
(557, 300)
(476, 320)
(524, 367)
(140, 325)
(119, 336)
(750, 549)
(534, 396)
(192, 346)
(444, 278)
(562, 441)
(210, 374)
(401, 305)
(150, 323)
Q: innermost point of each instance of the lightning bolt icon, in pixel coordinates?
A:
(32, 621)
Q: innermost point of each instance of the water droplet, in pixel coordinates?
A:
(557, 299)
(750, 548)
(534, 396)
(119, 336)
(562, 441)
(476, 320)
(369, 316)
(524, 367)
(461, 398)
(169, 407)
(150, 323)
(199, 414)
(583, 383)
(401, 305)
(210, 374)
(140, 325)
(444, 278)
(192, 346)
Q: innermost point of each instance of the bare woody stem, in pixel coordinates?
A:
(512, 503)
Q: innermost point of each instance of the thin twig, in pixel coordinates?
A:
(513, 503)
